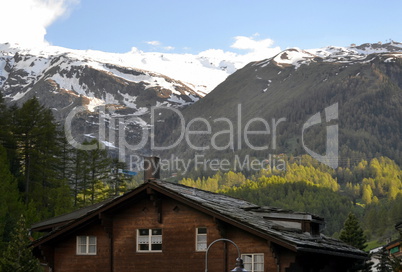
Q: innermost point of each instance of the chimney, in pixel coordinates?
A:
(151, 168)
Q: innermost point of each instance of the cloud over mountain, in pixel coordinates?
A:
(25, 21)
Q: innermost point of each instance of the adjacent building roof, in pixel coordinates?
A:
(276, 225)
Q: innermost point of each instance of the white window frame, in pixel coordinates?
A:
(197, 239)
(87, 245)
(150, 235)
(253, 262)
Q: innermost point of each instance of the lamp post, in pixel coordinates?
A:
(239, 262)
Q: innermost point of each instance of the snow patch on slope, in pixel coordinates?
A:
(203, 71)
(296, 57)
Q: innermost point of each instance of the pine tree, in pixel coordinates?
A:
(92, 174)
(10, 203)
(33, 148)
(18, 256)
(77, 174)
(352, 233)
(35, 132)
(3, 120)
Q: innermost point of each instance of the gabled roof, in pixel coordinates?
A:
(55, 222)
(265, 222)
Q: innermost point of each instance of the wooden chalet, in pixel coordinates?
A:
(394, 248)
(162, 226)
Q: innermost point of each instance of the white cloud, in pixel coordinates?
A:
(249, 43)
(257, 49)
(159, 45)
(25, 21)
(154, 43)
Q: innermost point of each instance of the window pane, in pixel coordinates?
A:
(202, 238)
(144, 232)
(202, 230)
(82, 240)
(92, 249)
(143, 240)
(201, 247)
(144, 247)
(157, 247)
(157, 232)
(82, 249)
(247, 259)
(259, 258)
(156, 239)
(92, 240)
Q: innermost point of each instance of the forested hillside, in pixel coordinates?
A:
(371, 189)
(278, 98)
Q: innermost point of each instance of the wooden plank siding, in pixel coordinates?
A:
(67, 260)
(178, 223)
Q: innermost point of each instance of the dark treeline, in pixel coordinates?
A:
(41, 175)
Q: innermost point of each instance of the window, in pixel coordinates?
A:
(201, 239)
(394, 250)
(253, 262)
(149, 240)
(86, 245)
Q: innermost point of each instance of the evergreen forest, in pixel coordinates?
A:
(42, 175)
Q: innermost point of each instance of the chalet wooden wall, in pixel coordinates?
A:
(178, 222)
(66, 259)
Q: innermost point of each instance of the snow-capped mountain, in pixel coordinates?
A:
(108, 84)
(297, 57)
(200, 72)
(279, 94)
(124, 85)
(64, 80)
(72, 73)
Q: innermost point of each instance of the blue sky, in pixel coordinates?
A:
(192, 26)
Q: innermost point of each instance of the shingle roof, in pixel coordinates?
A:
(248, 215)
(258, 218)
(65, 218)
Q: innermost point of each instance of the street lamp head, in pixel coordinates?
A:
(239, 266)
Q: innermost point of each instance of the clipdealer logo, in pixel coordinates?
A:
(331, 156)
(236, 139)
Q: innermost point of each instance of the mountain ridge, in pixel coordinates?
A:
(365, 82)
(270, 88)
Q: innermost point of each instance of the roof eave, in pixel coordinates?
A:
(348, 254)
(87, 217)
